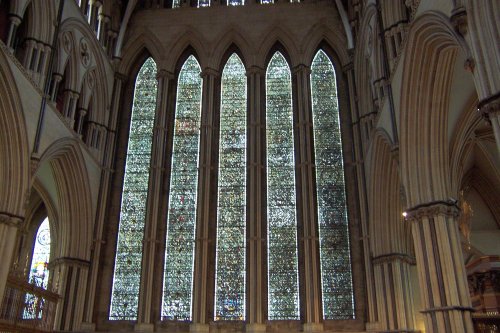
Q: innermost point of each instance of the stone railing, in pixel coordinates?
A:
(27, 307)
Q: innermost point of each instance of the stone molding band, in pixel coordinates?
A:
(434, 208)
(11, 220)
(449, 308)
(390, 257)
(69, 261)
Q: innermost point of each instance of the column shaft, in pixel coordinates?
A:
(203, 217)
(256, 289)
(309, 244)
(443, 283)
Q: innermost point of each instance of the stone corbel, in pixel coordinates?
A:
(459, 20)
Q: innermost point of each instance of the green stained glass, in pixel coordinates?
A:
(283, 294)
(332, 211)
(127, 274)
(181, 220)
(231, 210)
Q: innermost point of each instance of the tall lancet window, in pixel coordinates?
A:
(332, 211)
(181, 220)
(231, 210)
(127, 274)
(283, 295)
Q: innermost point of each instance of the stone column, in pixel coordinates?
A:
(9, 226)
(15, 21)
(145, 320)
(309, 239)
(256, 289)
(54, 88)
(28, 53)
(79, 125)
(69, 280)
(211, 79)
(490, 108)
(392, 280)
(69, 107)
(440, 265)
(104, 192)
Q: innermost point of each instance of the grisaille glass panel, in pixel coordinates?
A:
(231, 209)
(125, 294)
(181, 220)
(332, 211)
(283, 294)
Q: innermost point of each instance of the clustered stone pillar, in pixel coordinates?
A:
(202, 246)
(69, 278)
(442, 278)
(108, 142)
(309, 239)
(15, 21)
(9, 226)
(392, 273)
(256, 304)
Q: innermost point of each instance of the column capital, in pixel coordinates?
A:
(458, 20)
(301, 68)
(434, 208)
(68, 261)
(11, 220)
(490, 106)
(392, 257)
(163, 73)
(255, 70)
(120, 76)
(209, 72)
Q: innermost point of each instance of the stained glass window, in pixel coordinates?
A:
(127, 274)
(203, 3)
(283, 296)
(39, 272)
(181, 220)
(332, 210)
(266, 1)
(235, 2)
(231, 212)
(176, 3)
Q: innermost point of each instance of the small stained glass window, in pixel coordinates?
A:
(330, 188)
(39, 272)
(283, 293)
(181, 220)
(128, 262)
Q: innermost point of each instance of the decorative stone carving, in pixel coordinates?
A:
(459, 20)
(469, 65)
(490, 106)
(85, 55)
(67, 41)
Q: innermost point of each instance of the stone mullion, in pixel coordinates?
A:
(256, 255)
(309, 244)
(106, 179)
(200, 318)
(145, 320)
(442, 276)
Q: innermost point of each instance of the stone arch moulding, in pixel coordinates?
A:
(232, 40)
(14, 146)
(431, 52)
(190, 40)
(320, 34)
(143, 40)
(274, 38)
(74, 198)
